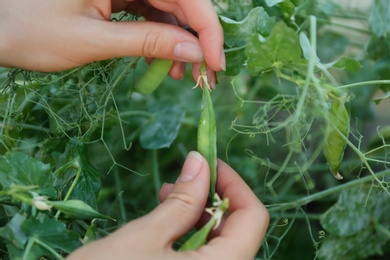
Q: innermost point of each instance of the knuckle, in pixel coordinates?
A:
(183, 201)
(266, 215)
(151, 45)
(261, 212)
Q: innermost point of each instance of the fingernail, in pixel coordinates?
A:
(223, 60)
(213, 80)
(183, 69)
(191, 167)
(188, 52)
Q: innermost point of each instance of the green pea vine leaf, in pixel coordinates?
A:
(237, 34)
(18, 169)
(379, 18)
(71, 141)
(279, 49)
(163, 127)
(355, 223)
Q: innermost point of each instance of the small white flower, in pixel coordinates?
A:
(39, 203)
(216, 211)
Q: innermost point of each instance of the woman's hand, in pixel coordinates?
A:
(46, 35)
(152, 236)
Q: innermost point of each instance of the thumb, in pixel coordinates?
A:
(146, 39)
(183, 207)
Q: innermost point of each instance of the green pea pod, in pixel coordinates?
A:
(336, 134)
(90, 234)
(76, 209)
(199, 238)
(153, 77)
(207, 135)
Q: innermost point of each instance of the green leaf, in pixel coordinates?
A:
(379, 18)
(280, 48)
(52, 233)
(18, 168)
(271, 3)
(348, 64)
(349, 215)
(52, 149)
(76, 209)
(162, 130)
(15, 253)
(235, 59)
(379, 99)
(344, 63)
(12, 232)
(15, 239)
(383, 70)
(351, 224)
(237, 34)
(361, 105)
(90, 234)
(88, 185)
(87, 189)
(358, 246)
(306, 48)
(378, 48)
(287, 8)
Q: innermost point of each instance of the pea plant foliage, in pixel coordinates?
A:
(298, 113)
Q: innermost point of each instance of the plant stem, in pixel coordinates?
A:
(289, 215)
(124, 72)
(30, 244)
(364, 83)
(383, 230)
(8, 112)
(325, 193)
(119, 192)
(28, 248)
(156, 174)
(48, 248)
(63, 168)
(136, 113)
(75, 181)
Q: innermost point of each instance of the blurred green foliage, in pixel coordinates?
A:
(84, 134)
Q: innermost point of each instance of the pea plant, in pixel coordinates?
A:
(300, 112)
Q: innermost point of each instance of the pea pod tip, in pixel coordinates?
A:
(337, 175)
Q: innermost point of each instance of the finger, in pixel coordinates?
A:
(185, 203)
(147, 39)
(231, 185)
(177, 70)
(165, 190)
(151, 13)
(248, 218)
(212, 78)
(225, 174)
(202, 17)
(165, 6)
(91, 40)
